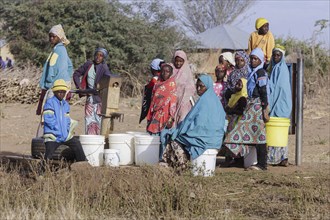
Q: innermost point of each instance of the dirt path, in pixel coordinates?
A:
(18, 125)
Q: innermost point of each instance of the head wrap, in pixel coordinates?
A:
(252, 79)
(279, 48)
(60, 85)
(102, 50)
(59, 32)
(258, 52)
(155, 64)
(238, 73)
(229, 57)
(260, 22)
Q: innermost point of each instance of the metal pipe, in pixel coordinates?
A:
(299, 107)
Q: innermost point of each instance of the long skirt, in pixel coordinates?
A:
(245, 130)
(277, 154)
(93, 117)
(176, 156)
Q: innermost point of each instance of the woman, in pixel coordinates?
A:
(185, 85)
(147, 93)
(280, 100)
(202, 129)
(247, 132)
(163, 104)
(57, 66)
(87, 77)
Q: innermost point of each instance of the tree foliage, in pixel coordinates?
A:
(88, 24)
(201, 15)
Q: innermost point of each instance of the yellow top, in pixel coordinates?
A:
(265, 42)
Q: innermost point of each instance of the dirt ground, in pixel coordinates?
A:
(19, 124)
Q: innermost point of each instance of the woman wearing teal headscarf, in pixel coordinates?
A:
(202, 128)
(280, 100)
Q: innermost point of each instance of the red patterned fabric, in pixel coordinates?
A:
(163, 105)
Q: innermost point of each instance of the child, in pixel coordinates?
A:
(262, 38)
(226, 60)
(57, 123)
(238, 100)
(87, 77)
(163, 104)
(220, 85)
(155, 71)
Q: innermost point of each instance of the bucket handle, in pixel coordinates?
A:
(94, 151)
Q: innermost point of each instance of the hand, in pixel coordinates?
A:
(169, 123)
(265, 114)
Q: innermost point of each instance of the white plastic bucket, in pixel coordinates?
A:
(146, 149)
(122, 142)
(250, 159)
(93, 147)
(111, 157)
(204, 165)
(93, 152)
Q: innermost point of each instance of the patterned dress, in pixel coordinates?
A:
(246, 130)
(163, 105)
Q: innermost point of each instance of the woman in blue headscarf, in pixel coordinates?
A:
(248, 131)
(280, 100)
(87, 77)
(202, 128)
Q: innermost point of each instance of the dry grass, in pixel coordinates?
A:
(155, 192)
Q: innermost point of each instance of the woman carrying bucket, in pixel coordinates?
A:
(247, 134)
(280, 101)
(202, 128)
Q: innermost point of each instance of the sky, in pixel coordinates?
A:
(289, 18)
(294, 18)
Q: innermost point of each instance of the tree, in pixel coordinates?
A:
(131, 40)
(200, 15)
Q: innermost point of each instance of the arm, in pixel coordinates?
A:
(80, 72)
(270, 46)
(249, 45)
(262, 81)
(62, 63)
(172, 109)
(50, 130)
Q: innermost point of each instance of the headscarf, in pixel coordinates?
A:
(155, 64)
(185, 87)
(229, 57)
(260, 22)
(203, 127)
(280, 48)
(280, 99)
(238, 73)
(102, 50)
(58, 31)
(252, 77)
